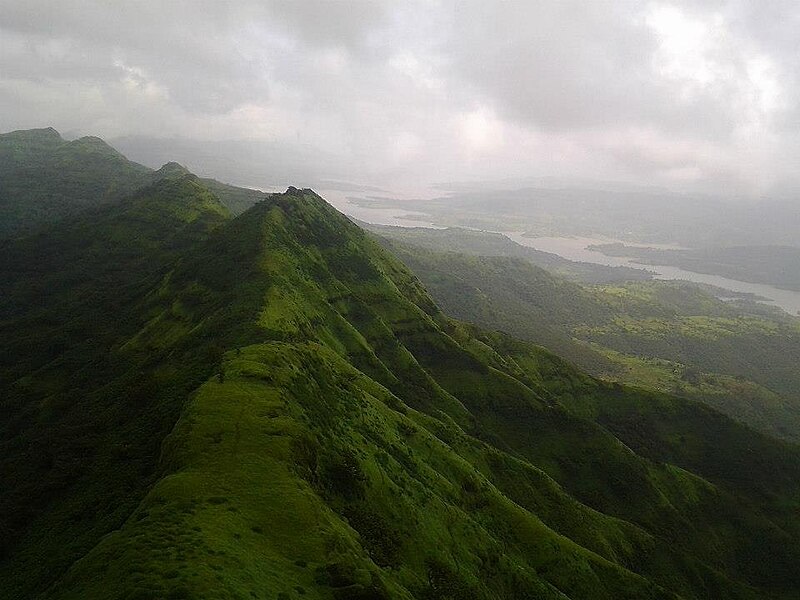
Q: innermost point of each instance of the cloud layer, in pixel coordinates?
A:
(391, 93)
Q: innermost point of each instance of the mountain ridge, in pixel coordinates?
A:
(273, 406)
(45, 178)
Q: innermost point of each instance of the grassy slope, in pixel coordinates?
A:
(236, 199)
(355, 443)
(661, 335)
(84, 412)
(509, 295)
(296, 474)
(487, 243)
(44, 178)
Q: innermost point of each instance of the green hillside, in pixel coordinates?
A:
(475, 242)
(739, 357)
(44, 178)
(272, 406)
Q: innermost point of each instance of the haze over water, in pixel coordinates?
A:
(575, 249)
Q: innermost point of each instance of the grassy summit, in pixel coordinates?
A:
(272, 406)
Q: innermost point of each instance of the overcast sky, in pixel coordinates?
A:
(683, 94)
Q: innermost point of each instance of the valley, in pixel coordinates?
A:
(205, 402)
(597, 251)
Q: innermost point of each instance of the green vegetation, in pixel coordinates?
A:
(739, 357)
(85, 406)
(44, 178)
(236, 199)
(678, 323)
(272, 406)
(486, 243)
(776, 265)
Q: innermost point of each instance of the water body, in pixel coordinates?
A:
(575, 248)
(397, 217)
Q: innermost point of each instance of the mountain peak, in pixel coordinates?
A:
(301, 192)
(43, 133)
(177, 195)
(46, 135)
(95, 145)
(172, 169)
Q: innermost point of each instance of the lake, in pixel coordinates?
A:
(575, 248)
(397, 217)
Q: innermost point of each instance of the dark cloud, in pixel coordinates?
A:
(678, 92)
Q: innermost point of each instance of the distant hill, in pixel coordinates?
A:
(44, 178)
(488, 243)
(271, 405)
(774, 265)
(622, 213)
(737, 356)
